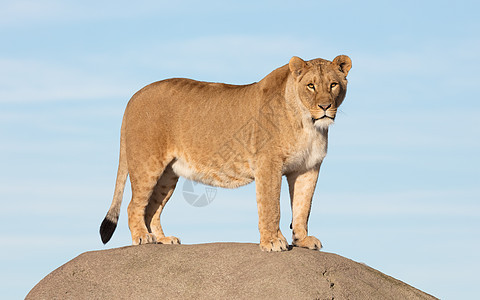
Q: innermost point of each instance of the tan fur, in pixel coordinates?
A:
(228, 136)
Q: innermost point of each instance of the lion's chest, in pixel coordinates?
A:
(309, 151)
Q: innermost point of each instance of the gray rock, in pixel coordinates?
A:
(217, 271)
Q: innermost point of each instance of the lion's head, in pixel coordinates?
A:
(321, 86)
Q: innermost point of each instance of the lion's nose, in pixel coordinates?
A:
(325, 107)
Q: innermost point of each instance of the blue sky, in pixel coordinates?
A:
(399, 189)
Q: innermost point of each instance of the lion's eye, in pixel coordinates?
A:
(333, 84)
(311, 86)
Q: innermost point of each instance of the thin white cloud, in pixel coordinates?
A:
(49, 197)
(425, 64)
(434, 129)
(28, 11)
(44, 241)
(21, 13)
(407, 203)
(36, 81)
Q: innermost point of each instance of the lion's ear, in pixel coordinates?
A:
(344, 63)
(296, 65)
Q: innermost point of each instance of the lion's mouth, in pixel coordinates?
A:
(323, 117)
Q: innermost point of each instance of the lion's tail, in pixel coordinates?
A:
(110, 222)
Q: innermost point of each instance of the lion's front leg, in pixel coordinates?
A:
(268, 181)
(302, 187)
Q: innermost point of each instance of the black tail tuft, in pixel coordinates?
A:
(106, 230)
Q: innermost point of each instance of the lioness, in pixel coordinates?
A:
(228, 136)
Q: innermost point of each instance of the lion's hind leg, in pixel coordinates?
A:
(161, 194)
(144, 178)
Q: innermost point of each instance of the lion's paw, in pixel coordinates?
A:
(274, 245)
(309, 242)
(169, 240)
(147, 238)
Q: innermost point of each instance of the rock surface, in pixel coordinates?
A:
(217, 271)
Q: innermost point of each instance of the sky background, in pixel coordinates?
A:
(399, 189)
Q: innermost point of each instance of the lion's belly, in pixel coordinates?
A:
(227, 176)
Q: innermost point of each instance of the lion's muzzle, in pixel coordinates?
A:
(326, 111)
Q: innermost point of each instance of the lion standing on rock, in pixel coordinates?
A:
(228, 136)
